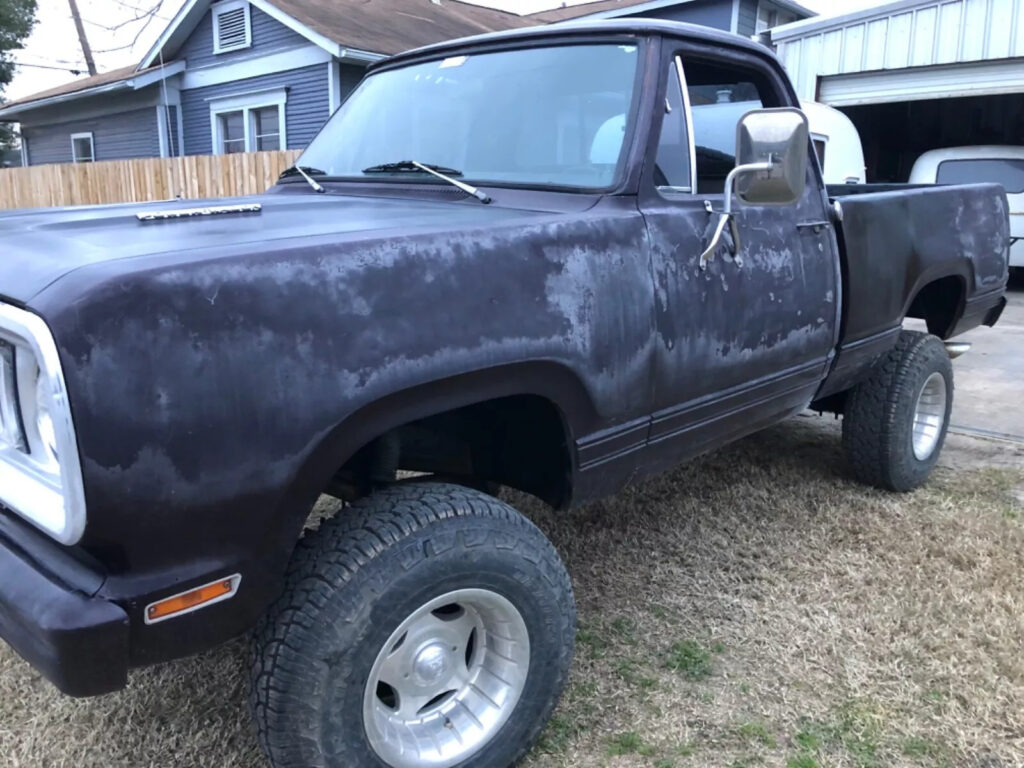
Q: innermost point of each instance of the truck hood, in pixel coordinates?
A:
(38, 247)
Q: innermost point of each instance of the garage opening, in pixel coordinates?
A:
(896, 134)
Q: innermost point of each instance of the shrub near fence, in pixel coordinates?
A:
(138, 181)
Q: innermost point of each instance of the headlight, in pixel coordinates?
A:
(11, 431)
(40, 475)
(44, 419)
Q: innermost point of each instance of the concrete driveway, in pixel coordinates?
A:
(989, 398)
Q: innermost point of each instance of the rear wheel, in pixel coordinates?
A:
(428, 625)
(895, 422)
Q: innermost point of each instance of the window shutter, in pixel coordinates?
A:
(232, 29)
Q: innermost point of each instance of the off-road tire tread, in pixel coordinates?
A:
(874, 406)
(332, 556)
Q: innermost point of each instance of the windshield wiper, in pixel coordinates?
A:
(445, 174)
(410, 166)
(307, 173)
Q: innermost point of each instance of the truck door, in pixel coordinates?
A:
(743, 342)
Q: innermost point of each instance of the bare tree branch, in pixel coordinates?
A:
(146, 18)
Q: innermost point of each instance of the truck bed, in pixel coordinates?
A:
(902, 245)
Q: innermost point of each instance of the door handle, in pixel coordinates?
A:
(814, 226)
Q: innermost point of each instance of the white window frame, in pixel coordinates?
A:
(24, 151)
(92, 147)
(248, 103)
(231, 5)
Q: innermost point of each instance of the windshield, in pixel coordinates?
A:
(553, 116)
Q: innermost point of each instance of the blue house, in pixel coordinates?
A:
(254, 75)
(236, 76)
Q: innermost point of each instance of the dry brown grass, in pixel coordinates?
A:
(753, 608)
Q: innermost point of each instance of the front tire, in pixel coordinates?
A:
(895, 422)
(427, 625)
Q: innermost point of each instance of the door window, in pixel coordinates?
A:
(720, 95)
(819, 150)
(673, 171)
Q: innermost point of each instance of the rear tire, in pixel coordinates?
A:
(427, 625)
(895, 422)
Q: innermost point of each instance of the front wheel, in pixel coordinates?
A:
(427, 625)
(895, 422)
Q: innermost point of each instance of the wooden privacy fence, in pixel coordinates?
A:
(137, 181)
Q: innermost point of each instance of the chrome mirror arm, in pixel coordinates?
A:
(742, 170)
(727, 216)
(723, 219)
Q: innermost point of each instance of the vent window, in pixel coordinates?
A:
(232, 28)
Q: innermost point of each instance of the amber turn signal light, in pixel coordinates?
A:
(193, 600)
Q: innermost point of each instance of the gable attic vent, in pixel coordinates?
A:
(231, 27)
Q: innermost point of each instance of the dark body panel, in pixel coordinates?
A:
(745, 342)
(203, 390)
(721, 374)
(898, 240)
(49, 614)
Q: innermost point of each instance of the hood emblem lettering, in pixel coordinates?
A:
(188, 213)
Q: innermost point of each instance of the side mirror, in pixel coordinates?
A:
(771, 169)
(772, 144)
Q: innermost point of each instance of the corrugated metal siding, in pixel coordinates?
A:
(115, 137)
(973, 78)
(913, 33)
(715, 13)
(305, 112)
(746, 22)
(268, 35)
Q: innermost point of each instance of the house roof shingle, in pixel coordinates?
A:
(393, 26)
(576, 11)
(601, 6)
(379, 26)
(84, 83)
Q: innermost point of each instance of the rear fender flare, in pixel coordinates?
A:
(934, 274)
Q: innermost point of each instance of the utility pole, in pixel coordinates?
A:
(86, 50)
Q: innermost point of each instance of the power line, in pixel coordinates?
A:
(45, 66)
(51, 60)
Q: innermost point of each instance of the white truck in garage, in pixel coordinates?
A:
(973, 165)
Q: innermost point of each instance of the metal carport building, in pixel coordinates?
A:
(915, 75)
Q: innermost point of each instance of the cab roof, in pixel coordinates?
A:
(587, 28)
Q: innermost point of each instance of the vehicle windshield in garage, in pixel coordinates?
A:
(1006, 171)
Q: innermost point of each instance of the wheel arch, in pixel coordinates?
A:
(549, 382)
(939, 298)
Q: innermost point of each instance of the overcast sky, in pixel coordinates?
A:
(118, 40)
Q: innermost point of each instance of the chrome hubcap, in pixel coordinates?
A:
(929, 416)
(446, 680)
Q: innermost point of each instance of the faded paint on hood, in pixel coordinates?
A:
(41, 246)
